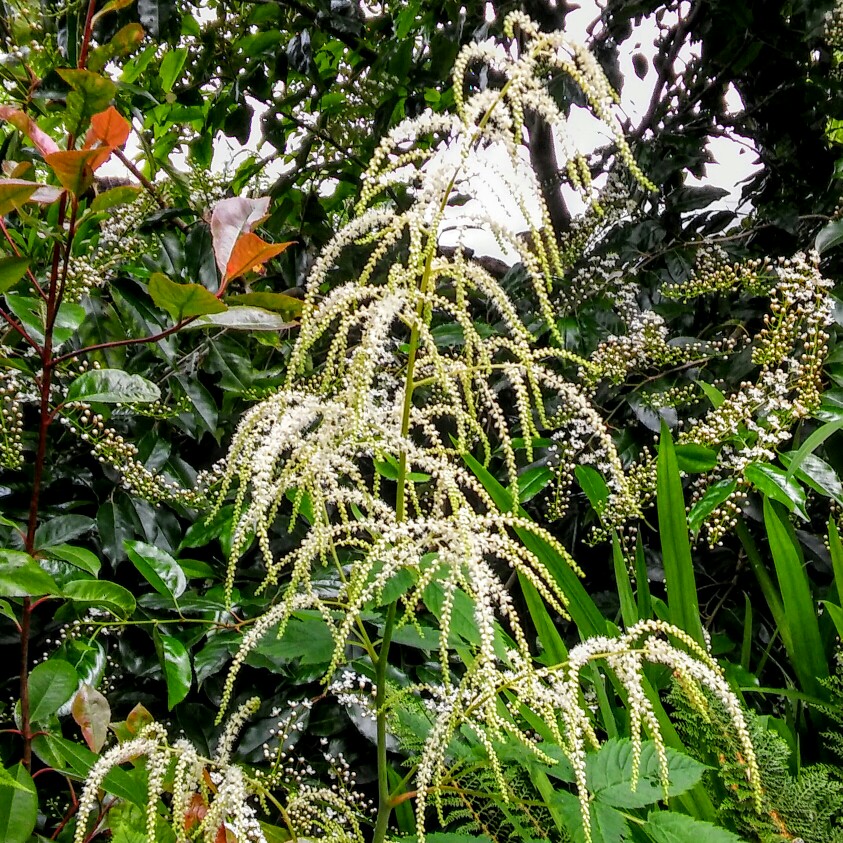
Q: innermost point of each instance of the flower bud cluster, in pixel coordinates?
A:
(11, 420)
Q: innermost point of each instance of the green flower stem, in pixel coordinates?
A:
(385, 804)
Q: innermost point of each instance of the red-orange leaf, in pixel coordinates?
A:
(24, 123)
(75, 168)
(195, 812)
(250, 253)
(108, 128)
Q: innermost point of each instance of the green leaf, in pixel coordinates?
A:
(90, 93)
(51, 684)
(8, 780)
(712, 393)
(533, 481)
(672, 827)
(108, 199)
(171, 67)
(79, 760)
(813, 442)
(60, 529)
(183, 301)
(18, 807)
(712, 498)
(609, 774)
(676, 548)
(817, 474)
(175, 660)
(108, 595)
(629, 610)
(204, 530)
(158, 568)
(695, 459)
(79, 557)
(306, 639)
(583, 610)
(836, 548)
(112, 386)
(775, 484)
(12, 269)
(829, 236)
(594, 486)
(288, 306)
(801, 634)
(22, 576)
(608, 825)
(244, 319)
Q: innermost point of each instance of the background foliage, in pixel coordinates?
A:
(126, 597)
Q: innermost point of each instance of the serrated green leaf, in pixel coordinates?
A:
(112, 386)
(609, 774)
(672, 827)
(78, 759)
(288, 306)
(61, 529)
(123, 195)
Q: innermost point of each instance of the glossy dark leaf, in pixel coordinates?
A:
(175, 661)
(106, 595)
(51, 685)
(22, 576)
(18, 806)
(158, 568)
(112, 386)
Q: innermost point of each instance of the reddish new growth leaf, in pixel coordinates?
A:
(108, 128)
(74, 168)
(251, 253)
(195, 812)
(91, 711)
(231, 219)
(24, 123)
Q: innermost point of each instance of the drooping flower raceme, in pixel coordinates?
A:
(369, 433)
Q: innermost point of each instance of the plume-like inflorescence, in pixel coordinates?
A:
(413, 359)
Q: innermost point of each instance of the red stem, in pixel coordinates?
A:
(86, 35)
(131, 341)
(24, 683)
